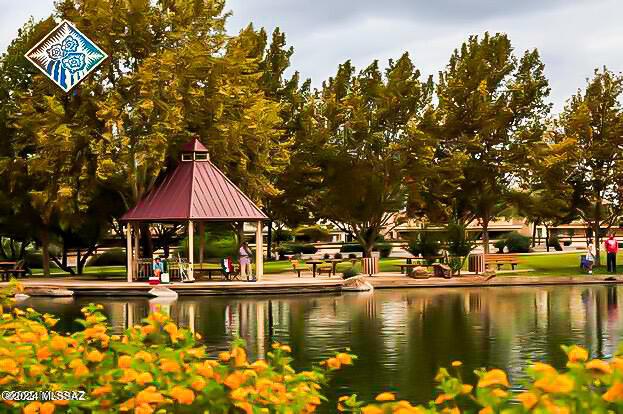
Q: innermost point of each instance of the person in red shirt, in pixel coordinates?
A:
(612, 247)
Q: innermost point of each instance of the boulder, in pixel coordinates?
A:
(442, 270)
(163, 292)
(48, 291)
(356, 284)
(420, 272)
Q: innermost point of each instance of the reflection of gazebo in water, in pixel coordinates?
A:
(195, 192)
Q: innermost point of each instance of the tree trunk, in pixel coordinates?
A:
(78, 260)
(485, 236)
(269, 243)
(597, 243)
(547, 237)
(146, 241)
(64, 258)
(535, 224)
(45, 250)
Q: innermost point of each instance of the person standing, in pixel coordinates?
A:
(244, 257)
(590, 257)
(612, 247)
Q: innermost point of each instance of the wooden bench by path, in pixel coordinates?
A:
(502, 259)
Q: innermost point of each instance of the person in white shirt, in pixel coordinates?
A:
(590, 257)
(244, 257)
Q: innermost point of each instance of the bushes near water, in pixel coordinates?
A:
(112, 257)
(514, 242)
(296, 248)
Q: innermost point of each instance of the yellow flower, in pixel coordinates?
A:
(492, 378)
(224, 356)
(145, 356)
(196, 352)
(577, 354)
(240, 356)
(58, 343)
(129, 375)
(205, 370)
(143, 409)
(466, 389)
(168, 365)
(47, 408)
(43, 353)
(456, 364)
(147, 329)
(385, 396)
(125, 361)
(560, 384)
(486, 410)
(542, 368)
(144, 378)
(286, 348)
(95, 356)
(32, 408)
(35, 370)
(528, 400)
(183, 395)
(9, 366)
(614, 393)
(259, 365)
(499, 393)
(371, 409)
(345, 359)
(599, 367)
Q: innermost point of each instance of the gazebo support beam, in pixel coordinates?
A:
(129, 253)
(259, 252)
(202, 241)
(191, 250)
(136, 249)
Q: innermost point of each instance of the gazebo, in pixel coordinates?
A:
(194, 192)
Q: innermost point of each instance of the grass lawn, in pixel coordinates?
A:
(565, 264)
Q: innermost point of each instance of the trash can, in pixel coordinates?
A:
(371, 264)
(476, 263)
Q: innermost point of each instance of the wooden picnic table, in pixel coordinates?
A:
(7, 268)
(334, 263)
(407, 268)
(314, 263)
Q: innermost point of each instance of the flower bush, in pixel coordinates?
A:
(153, 367)
(585, 386)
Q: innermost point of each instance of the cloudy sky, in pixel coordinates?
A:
(573, 36)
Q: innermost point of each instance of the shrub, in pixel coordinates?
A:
(216, 245)
(567, 243)
(516, 243)
(385, 249)
(312, 234)
(352, 256)
(426, 244)
(500, 245)
(296, 248)
(112, 257)
(351, 248)
(326, 256)
(153, 367)
(350, 272)
(282, 235)
(555, 243)
(337, 256)
(34, 260)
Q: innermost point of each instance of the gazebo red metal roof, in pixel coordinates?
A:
(195, 190)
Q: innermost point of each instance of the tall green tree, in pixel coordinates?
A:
(361, 123)
(490, 113)
(593, 121)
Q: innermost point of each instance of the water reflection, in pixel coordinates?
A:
(402, 337)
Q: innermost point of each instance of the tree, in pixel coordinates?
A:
(489, 115)
(361, 124)
(592, 122)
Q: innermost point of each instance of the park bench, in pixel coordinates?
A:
(325, 268)
(502, 259)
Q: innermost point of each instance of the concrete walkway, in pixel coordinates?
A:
(289, 283)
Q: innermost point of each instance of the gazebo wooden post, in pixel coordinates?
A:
(129, 253)
(201, 242)
(136, 249)
(259, 252)
(191, 250)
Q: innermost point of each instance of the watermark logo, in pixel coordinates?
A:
(66, 55)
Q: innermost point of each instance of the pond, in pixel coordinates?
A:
(401, 336)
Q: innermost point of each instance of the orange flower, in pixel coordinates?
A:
(32, 408)
(599, 367)
(286, 348)
(149, 396)
(466, 389)
(144, 378)
(125, 361)
(129, 375)
(386, 396)
(35, 370)
(224, 356)
(542, 368)
(58, 343)
(577, 354)
(168, 365)
(81, 371)
(559, 384)
(486, 410)
(104, 389)
(143, 409)
(499, 393)
(614, 393)
(205, 370)
(492, 378)
(95, 356)
(47, 408)
(172, 330)
(371, 409)
(442, 398)
(234, 380)
(344, 358)
(147, 329)
(183, 395)
(9, 366)
(456, 364)
(145, 356)
(196, 352)
(333, 363)
(198, 384)
(259, 365)
(528, 400)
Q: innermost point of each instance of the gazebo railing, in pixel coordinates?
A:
(145, 268)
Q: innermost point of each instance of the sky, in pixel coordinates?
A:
(573, 36)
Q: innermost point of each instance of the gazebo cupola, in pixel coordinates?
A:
(195, 151)
(194, 192)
